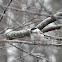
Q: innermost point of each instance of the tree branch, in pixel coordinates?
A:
(5, 10)
(29, 53)
(31, 43)
(17, 34)
(48, 21)
(47, 29)
(23, 33)
(27, 11)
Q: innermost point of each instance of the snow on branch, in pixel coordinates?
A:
(23, 33)
(17, 34)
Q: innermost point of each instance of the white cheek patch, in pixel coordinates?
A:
(36, 30)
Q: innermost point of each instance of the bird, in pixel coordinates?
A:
(37, 35)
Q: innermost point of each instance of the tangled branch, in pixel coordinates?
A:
(23, 33)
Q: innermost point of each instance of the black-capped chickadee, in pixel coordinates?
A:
(36, 35)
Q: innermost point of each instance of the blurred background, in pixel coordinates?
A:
(24, 15)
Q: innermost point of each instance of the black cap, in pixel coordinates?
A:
(33, 28)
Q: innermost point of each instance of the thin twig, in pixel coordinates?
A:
(28, 52)
(5, 9)
(31, 43)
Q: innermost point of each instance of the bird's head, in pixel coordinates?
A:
(35, 30)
